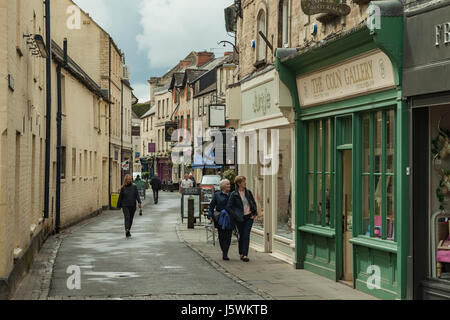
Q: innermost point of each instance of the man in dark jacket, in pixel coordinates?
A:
(156, 186)
(128, 197)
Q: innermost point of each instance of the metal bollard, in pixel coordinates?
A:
(191, 219)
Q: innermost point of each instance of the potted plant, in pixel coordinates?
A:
(230, 175)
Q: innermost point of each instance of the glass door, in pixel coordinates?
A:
(347, 214)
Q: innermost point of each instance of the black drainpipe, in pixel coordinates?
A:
(109, 144)
(59, 140)
(121, 131)
(49, 110)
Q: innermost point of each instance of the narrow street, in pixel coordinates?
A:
(153, 264)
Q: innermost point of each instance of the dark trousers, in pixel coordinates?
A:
(156, 195)
(225, 240)
(128, 213)
(245, 229)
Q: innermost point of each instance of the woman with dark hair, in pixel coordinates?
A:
(129, 194)
(242, 207)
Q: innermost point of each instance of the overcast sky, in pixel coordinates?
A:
(156, 34)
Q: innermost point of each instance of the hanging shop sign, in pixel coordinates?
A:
(311, 7)
(368, 73)
(170, 128)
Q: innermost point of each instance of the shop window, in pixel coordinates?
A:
(378, 174)
(284, 204)
(320, 172)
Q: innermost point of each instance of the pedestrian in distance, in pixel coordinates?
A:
(194, 183)
(186, 183)
(218, 204)
(156, 186)
(242, 207)
(128, 197)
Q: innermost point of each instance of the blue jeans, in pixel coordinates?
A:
(245, 229)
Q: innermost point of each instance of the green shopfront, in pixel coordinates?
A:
(351, 156)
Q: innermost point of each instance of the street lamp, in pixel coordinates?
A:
(37, 45)
(225, 42)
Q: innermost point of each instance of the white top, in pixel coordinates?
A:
(185, 184)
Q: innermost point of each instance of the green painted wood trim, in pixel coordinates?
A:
(402, 194)
(318, 230)
(356, 183)
(333, 174)
(315, 173)
(383, 294)
(345, 147)
(324, 154)
(320, 270)
(338, 202)
(382, 245)
(358, 104)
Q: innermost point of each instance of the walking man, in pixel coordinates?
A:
(128, 197)
(156, 186)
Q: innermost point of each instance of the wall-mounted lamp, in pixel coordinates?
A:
(37, 44)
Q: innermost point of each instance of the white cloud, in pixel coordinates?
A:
(142, 91)
(171, 29)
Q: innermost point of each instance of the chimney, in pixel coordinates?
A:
(184, 64)
(203, 58)
(154, 83)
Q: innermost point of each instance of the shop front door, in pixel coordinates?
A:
(347, 215)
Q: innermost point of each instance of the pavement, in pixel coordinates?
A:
(163, 261)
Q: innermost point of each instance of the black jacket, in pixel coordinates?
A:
(218, 203)
(128, 196)
(156, 183)
(235, 207)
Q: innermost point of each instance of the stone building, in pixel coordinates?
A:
(148, 141)
(83, 87)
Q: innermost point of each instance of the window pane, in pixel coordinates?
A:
(319, 200)
(378, 136)
(366, 207)
(311, 199)
(366, 143)
(328, 146)
(311, 147)
(377, 206)
(328, 201)
(390, 138)
(319, 146)
(390, 207)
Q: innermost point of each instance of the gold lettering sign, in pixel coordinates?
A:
(364, 74)
(311, 7)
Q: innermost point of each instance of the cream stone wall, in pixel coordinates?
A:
(82, 188)
(147, 133)
(22, 130)
(299, 28)
(164, 100)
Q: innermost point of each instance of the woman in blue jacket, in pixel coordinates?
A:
(242, 207)
(218, 203)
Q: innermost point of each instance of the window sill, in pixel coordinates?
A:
(318, 230)
(382, 245)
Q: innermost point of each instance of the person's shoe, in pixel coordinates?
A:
(245, 259)
(128, 234)
(226, 259)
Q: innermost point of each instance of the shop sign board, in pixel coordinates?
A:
(259, 102)
(333, 7)
(364, 74)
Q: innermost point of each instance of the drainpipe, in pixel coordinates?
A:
(59, 141)
(49, 110)
(109, 133)
(121, 129)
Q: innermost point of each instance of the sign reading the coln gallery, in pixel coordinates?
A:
(364, 74)
(334, 7)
